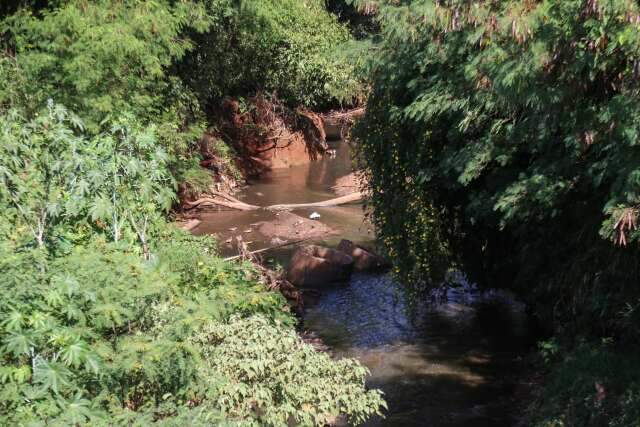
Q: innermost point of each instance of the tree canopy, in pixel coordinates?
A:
(501, 139)
(508, 131)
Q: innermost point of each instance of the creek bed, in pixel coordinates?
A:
(456, 363)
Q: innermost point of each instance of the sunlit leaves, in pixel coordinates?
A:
(100, 57)
(53, 177)
(101, 329)
(19, 343)
(12, 374)
(74, 353)
(77, 411)
(90, 331)
(14, 321)
(100, 207)
(41, 162)
(293, 47)
(51, 375)
(135, 186)
(270, 368)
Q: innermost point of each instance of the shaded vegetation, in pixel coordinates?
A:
(501, 137)
(359, 16)
(592, 384)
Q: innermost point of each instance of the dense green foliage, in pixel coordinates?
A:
(100, 58)
(501, 138)
(166, 62)
(594, 384)
(286, 48)
(54, 177)
(108, 315)
(508, 132)
(272, 369)
(359, 16)
(101, 336)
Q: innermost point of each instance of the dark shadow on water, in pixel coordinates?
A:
(455, 364)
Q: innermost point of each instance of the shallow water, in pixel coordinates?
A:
(449, 364)
(298, 184)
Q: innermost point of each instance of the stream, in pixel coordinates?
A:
(456, 363)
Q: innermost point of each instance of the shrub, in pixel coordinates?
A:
(273, 378)
(54, 177)
(100, 334)
(594, 384)
(101, 57)
(74, 337)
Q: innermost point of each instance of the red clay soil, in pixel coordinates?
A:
(270, 136)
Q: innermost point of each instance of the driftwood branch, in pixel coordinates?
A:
(233, 203)
(349, 198)
(230, 202)
(231, 258)
(225, 196)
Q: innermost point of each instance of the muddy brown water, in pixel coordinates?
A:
(298, 184)
(457, 363)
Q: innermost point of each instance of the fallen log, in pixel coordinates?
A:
(233, 203)
(349, 198)
(230, 202)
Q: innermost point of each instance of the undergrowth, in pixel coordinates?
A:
(595, 384)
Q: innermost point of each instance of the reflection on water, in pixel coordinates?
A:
(452, 364)
(455, 364)
(299, 184)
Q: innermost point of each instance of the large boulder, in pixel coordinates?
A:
(314, 266)
(363, 259)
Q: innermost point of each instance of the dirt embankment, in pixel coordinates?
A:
(267, 135)
(251, 138)
(259, 135)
